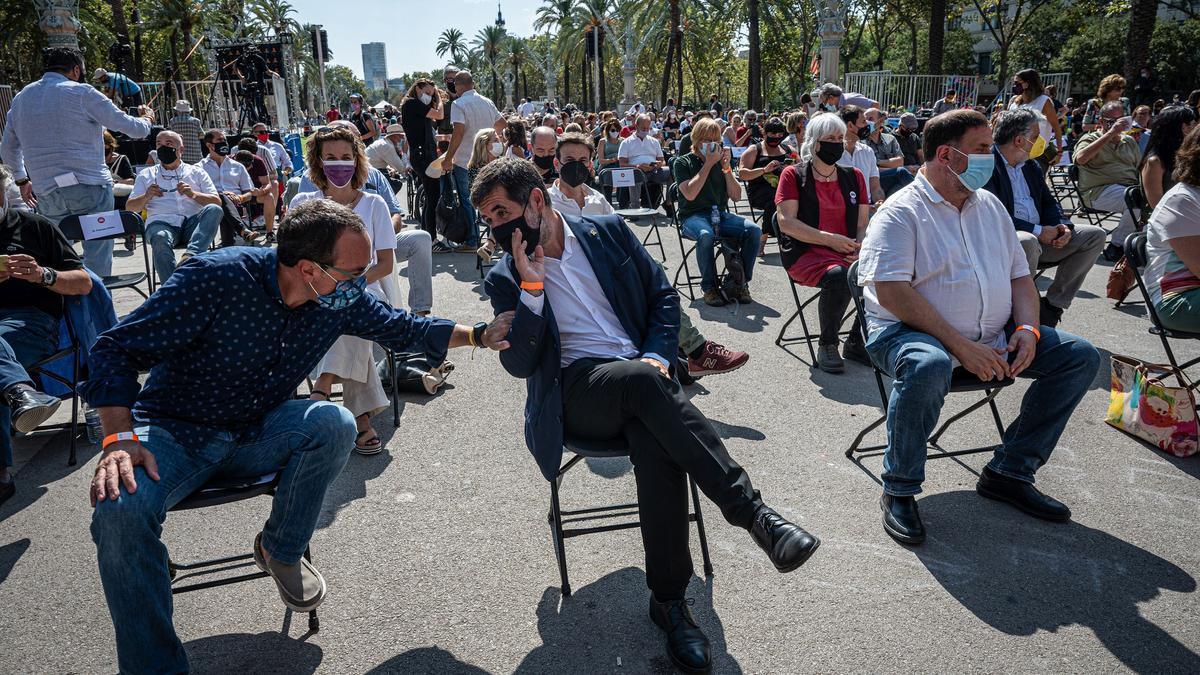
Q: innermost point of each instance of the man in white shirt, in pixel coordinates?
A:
(860, 155)
(390, 153)
(471, 113)
(636, 109)
(232, 182)
(644, 152)
(525, 110)
(946, 283)
(181, 204)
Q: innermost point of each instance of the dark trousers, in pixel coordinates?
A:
(668, 440)
(27, 335)
(231, 222)
(831, 307)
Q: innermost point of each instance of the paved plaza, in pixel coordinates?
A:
(439, 558)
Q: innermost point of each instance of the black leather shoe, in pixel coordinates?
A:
(854, 350)
(786, 543)
(1048, 314)
(901, 520)
(30, 407)
(1113, 252)
(686, 644)
(1022, 495)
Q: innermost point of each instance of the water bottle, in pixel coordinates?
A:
(95, 432)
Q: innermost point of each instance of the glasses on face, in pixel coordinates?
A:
(350, 276)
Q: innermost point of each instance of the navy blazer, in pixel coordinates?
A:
(1048, 209)
(636, 287)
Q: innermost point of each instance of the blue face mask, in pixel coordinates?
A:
(978, 171)
(345, 293)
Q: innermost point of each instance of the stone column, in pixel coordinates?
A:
(508, 88)
(628, 69)
(831, 26)
(57, 20)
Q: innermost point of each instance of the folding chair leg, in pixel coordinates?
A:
(996, 418)
(808, 342)
(863, 434)
(990, 394)
(708, 568)
(314, 624)
(391, 356)
(556, 531)
(74, 428)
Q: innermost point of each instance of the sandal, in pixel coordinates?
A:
(324, 395)
(371, 447)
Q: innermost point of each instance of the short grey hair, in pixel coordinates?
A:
(750, 116)
(1010, 124)
(1111, 106)
(830, 89)
(169, 134)
(5, 178)
(643, 116)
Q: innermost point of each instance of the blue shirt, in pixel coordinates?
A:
(56, 126)
(121, 84)
(223, 350)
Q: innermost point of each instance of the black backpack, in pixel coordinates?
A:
(451, 223)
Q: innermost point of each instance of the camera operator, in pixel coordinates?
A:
(115, 84)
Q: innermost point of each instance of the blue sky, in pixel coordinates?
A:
(409, 28)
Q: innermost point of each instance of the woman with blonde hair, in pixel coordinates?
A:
(1111, 88)
(337, 165)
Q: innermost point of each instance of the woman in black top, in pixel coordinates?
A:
(422, 106)
(121, 169)
(760, 167)
(671, 126)
(1166, 135)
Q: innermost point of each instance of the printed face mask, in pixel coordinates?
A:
(345, 292)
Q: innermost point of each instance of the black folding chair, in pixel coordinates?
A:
(686, 250)
(636, 210)
(961, 380)
(558, 517)
(1137, 206)
(1095, 217)
(42, 370)
(215, 493)
(807, 337)
(1135, 253)
(132, 226)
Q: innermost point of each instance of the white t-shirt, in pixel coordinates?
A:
(525, 109)
(383, 153)
(475, 112)
(1177, 215)
(961, 262)
(640, 151)
(1037, 105)
(374, 213)
(172, 207)
(865, 160)
(229, 176)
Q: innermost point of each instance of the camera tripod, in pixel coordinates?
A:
(251, 107)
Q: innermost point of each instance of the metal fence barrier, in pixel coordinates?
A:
(911, 92)
(216, 106)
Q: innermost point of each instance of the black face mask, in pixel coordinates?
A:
(450, 86)
(167, 154)
(222, 149)
(829, 151)
(863, 132)
(543, 163)
(503, 235)
(574, 173)
(774, 141)
(1017, 88)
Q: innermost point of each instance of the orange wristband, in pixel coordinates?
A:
(532, 285)
(122, 436)
(1037, 334)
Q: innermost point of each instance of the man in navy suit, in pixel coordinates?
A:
(1048, 238)
(594, 330)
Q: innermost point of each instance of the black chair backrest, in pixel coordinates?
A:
(1073, 172)
(856, 293)
(1135, 249)
(130, 221)
(1135, 198)
(606, 176)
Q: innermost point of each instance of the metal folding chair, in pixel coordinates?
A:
(961, 380)
(807, 337)
(132, 226)
(1093, 216)
(1135, 253)
(558, 517)
(44, 370)
(215, 493)
(636, 211)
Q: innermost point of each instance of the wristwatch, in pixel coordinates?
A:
(20, 182)
(49, 276)
(477, 333)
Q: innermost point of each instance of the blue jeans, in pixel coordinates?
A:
(464, 199)
(80, 200)
(198, 230)
(1062, 370)
(743, 233)
(891, 180)
(310, 440)
(27, 335)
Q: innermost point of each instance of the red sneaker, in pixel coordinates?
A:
(715, 360)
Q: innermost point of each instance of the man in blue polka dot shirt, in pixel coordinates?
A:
(227, 340)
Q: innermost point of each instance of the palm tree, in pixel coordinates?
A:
(518, 56)
(451, 40)
(559, 15)
(1142, 16)
(490, 43)
(180, 17)
(275, 16)
(595, 16)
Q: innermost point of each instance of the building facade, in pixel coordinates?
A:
(374, 56)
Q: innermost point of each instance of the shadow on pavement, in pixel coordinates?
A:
(608, 620)
(747, 318)
(426, 660)
(47, 466)
(9, 555)
(351, 484)
(1022, 576)
(267, 652)
(461, 266)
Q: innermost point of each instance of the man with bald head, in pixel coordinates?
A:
(182, 205)
(471, 114)
(545, 144)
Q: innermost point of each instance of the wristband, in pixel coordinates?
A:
(1037, 334)
(532, 285)
(117, 437)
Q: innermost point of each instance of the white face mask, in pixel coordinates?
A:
(497, 148)
(425, 98)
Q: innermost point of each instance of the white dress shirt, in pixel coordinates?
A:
(587, 325)
(1023, 206)
(640, 150)
(475, 112)
(228, 176)
(961, 262)
(525, 109)
(594, 203)
(172, 207)
(383, 154)
(865, 160)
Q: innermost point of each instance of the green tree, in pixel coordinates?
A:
(451, 40)
(490, 41)
(559, 17)
(340, 82)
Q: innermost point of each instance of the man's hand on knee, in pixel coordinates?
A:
(657, 364)
(116, 466)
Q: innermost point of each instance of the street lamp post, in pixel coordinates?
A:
(137, 42)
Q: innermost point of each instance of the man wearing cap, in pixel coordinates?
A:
(888, 156)
(116, 83)
(910, 143)
(187, 126)
(390, 154)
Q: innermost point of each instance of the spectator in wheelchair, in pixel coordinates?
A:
(1158, 163)
(823, 212)
(946, 284)
(1108, 160)
(1172, 273)
(38, 265)
(596, 356)
(1047, 237)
